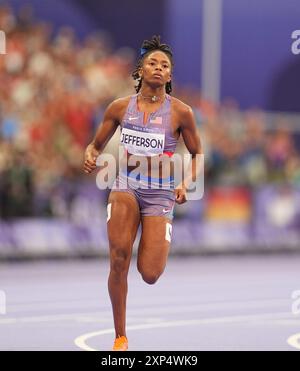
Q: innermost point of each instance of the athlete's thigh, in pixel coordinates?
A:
(123, 218)
(154, 243)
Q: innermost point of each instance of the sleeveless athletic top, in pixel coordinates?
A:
(155, 137)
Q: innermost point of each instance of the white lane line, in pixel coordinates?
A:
(251, 304)
(49, 318)
(294, 341)
(175, 308)
(80, 341)
(98, 317)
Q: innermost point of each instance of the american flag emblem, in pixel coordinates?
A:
(157, 120)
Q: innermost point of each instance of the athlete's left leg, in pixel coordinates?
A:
(154, 247)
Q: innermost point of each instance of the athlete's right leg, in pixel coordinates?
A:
(122, 225)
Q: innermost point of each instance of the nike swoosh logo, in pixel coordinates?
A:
(132, 118)
(165, 211)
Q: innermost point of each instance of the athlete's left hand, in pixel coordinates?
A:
(180, 195)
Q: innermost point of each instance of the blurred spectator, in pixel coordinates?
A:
(16, 188)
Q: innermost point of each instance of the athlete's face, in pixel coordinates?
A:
(156, 69)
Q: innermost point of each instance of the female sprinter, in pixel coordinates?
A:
(151, 122)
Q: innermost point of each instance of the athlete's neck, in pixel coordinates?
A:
(152, 95)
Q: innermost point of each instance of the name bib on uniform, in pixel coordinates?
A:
(142, 143)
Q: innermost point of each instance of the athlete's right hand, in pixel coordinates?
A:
(91, 155)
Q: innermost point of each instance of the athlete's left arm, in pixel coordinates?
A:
(191, 138)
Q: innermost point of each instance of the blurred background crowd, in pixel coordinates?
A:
(54, 90)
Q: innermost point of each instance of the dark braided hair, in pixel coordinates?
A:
(149, 46)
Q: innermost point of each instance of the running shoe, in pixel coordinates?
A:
(121, 343)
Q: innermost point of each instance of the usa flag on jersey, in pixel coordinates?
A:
(157, 120)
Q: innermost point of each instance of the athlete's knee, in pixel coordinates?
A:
(120, 260)
(151, 277)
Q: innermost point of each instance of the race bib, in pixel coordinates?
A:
(142, 143)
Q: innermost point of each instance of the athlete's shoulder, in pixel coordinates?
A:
(117, 108)
(120, 103)
(182, 109)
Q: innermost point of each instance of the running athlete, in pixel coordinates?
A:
(151, 122)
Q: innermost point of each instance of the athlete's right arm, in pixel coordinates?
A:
(104, 132)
